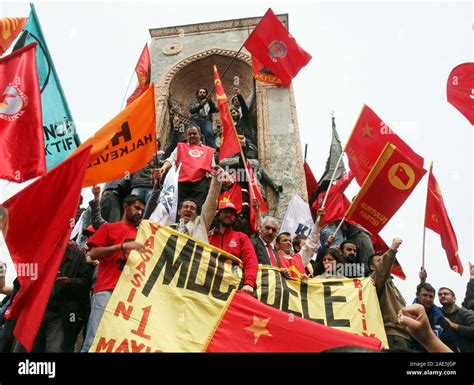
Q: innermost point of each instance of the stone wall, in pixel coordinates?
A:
(182, 59)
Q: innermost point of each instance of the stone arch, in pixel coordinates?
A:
(185, 77)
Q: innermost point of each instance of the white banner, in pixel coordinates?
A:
(165, 212)
(298, 218)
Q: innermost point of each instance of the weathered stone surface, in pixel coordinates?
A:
(182, 61)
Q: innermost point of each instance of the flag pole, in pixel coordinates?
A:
(343, 151)
(332, 179)
(126, 91)
(339, 226)
(424, 219)
(228, 66)
(335, 168)
(305, 151)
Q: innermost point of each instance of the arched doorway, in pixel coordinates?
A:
(177, 88)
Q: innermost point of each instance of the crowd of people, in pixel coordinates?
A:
(95, 257)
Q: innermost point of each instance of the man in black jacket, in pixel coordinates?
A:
(201, 114)
(263, 242)
(68, 304)
(460, 320)
(111, 201)
(468, 302)
(241, 119)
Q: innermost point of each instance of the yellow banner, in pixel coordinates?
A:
(348, 304)
(171, 296)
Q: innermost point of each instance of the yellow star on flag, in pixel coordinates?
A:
(367, 131)
(258, 328)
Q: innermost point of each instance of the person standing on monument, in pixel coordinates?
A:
(201, 114)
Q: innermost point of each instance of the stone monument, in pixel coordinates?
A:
(182, 62)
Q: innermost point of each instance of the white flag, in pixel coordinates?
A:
(298, 218)
(165, 212)
(77, 230)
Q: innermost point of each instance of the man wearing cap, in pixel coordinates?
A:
(236, 243)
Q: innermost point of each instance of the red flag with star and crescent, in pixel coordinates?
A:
(368, 139)
(437, 219)
(249, 325)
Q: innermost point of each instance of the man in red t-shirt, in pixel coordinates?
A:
(111, 244)
(236, 243)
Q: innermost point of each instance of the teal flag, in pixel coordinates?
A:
(60, 137)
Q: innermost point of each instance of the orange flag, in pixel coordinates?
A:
(10, 27)
(368, 139)
(125, 144)
(229, 141)
(248, 325)
(390, 182)
(436, 219)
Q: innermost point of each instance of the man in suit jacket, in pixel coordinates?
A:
(263, 242)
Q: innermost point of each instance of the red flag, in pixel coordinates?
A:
(263, 74)
(41, 219)
(381, 247)
(234, 195)
(22, 154)
(436, 219)
(229, 140)
(368, 139)
(460, 90)
(249, 325)
(10, 27)
(385, 189)
(311, 182)
(143, 71)
(254, 192)
(274, 47)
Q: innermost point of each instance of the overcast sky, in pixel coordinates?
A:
(395, 57)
